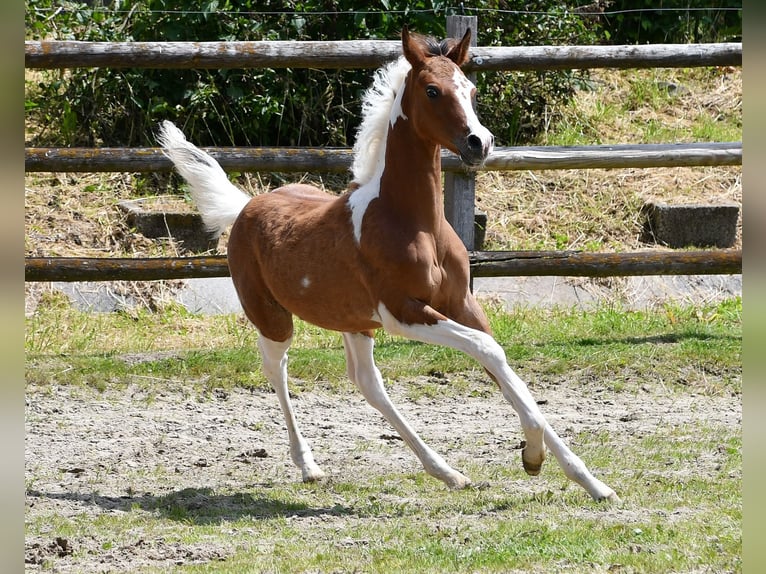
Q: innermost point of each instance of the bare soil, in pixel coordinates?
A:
(112, 453)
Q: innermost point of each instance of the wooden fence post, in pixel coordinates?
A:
(460, 187)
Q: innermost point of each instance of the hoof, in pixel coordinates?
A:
(458, 481)
(531, 468)
(609, 498)
(314, 474)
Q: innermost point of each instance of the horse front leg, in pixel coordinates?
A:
(366, 376)
(479, 344)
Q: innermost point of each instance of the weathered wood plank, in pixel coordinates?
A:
(578, 264)
(621, 57)
(123, 269)
(483, 264)
(615, 156)
(273, 159)
(202, 55)
(53, 54)
(293, 159)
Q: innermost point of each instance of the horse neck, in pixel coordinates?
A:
(410, 185)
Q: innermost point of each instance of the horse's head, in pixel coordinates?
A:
(439, 98)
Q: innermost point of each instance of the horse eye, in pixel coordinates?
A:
(432, 92)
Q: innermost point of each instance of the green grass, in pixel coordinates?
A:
(656, 113)
(674, 344)
(405, 523)
(409, 524)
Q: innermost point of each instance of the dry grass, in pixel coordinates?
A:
(594, 209)
(599, 209)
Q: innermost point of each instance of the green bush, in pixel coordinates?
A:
(121, 107)
(680, 21)
(516, 106)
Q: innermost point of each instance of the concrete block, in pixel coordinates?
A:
(697, 225)
(161, 217)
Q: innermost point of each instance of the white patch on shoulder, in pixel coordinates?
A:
(359, 200)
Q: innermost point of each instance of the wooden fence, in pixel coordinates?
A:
(372, 54)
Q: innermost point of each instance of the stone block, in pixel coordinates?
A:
(167, 217)
(690, 225)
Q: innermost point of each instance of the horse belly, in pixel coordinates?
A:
(325, 294)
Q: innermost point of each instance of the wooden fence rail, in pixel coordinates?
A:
(372, 54)
(295, 159)
(54, 54)
(483, 264)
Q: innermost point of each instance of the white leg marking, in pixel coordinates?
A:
(369, 381)
(274, 355)
(491, 356)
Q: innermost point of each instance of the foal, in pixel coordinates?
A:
(382, 255)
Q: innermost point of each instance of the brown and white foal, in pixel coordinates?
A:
(382, 255)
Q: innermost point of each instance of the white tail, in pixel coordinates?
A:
(217, 199)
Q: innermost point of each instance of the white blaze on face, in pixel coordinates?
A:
(464, 88)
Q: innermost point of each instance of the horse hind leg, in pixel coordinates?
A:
(274, 354)
(366, 376)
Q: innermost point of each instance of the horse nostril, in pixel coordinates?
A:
(475, 143)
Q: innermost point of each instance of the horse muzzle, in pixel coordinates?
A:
(476, 147)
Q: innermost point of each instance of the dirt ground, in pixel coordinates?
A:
(103, 454)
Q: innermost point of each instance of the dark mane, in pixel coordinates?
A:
(435, 47)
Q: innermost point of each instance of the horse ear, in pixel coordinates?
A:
(412, 49)
(459, 52)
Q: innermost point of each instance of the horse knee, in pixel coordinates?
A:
(491, 356)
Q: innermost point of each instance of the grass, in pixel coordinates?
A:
(658, 105)
(598, 210)
(401, 523)
(671, 519)
(672, 522)
(221, 350)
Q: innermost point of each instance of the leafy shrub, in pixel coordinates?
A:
(680, 21)
(516, 106)
(116, 107)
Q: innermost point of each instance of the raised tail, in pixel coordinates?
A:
(218, 200)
